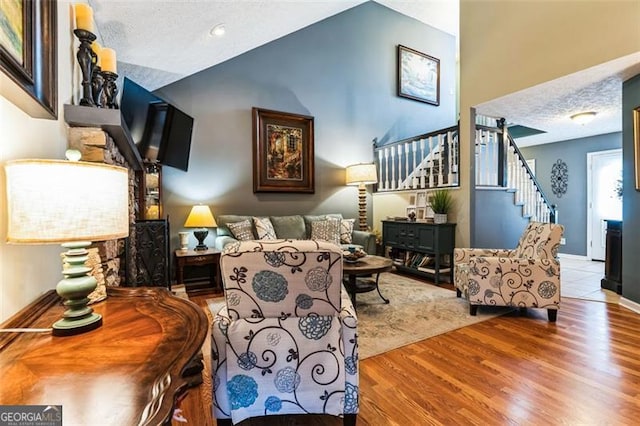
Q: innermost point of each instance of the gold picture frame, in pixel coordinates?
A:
(283, 152)
(28, 56)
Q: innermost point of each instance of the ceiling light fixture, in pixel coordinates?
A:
(583, 117)
(218, 31)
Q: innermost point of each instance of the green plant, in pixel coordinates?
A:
(441, 201)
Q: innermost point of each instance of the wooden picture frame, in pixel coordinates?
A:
(418, 76)
(636, 145)
(28, 56)
(283, 152)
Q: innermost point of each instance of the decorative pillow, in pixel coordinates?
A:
(326, 230)
(346, 229)
(241, 230)
(264, 228)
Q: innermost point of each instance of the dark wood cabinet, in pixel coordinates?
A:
(424, 249)
(613, 257)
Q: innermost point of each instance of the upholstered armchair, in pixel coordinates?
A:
(285, 342)
(526, 277)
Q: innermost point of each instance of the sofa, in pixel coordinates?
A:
(329, 227)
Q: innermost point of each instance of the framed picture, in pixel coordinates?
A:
(28, 39)
(418, 76)
(636, 145)
(282, 152)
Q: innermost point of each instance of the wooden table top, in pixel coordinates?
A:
(369, 264)
(126, 372)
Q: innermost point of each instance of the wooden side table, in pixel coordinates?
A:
(211, 257)
(130, 371)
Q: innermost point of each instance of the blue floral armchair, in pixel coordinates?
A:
(286, 340)
(528, 276)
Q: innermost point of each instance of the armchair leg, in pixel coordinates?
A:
(349, 419)
(552, 314)
(458, 292)
(473, 310)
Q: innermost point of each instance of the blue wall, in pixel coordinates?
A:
(630, 196)
(341, 71)
(572, 206)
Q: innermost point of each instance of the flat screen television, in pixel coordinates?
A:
(161, 132)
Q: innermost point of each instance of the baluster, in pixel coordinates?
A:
(393, 167)
(441, 159)
(406, 165)
(494, 158)
(387, 185)
(414, 181)
(430, 161)
(479, 162)
(380, 165)
(450, 157)
(399, 185)
(423, 165)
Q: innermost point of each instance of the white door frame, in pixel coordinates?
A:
(590, 156)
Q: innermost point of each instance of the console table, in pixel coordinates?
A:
(127, 372)
(418, 247)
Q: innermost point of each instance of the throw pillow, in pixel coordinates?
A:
(346, 229)
(326, 230)
(264, 228)
(241, 230)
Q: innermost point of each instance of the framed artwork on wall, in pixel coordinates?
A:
(28, 56)
(418, 76)
(283, 156)
(636, 145)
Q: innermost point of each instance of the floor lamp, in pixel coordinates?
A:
(362, 174)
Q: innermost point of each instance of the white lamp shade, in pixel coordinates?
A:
(200, 217)
(54, 201)
(362, 174)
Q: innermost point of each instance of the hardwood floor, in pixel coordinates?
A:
(584, 369)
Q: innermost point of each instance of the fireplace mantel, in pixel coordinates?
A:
(109, 120)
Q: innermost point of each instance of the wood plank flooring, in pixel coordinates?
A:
(514, 369)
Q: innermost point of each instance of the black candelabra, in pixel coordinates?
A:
(98, 87)
(86, 61)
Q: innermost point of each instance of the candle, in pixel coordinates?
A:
(84, 17)
(108, 59)
(95, 46)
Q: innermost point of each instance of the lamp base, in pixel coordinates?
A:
(75, 288)
(200, 235)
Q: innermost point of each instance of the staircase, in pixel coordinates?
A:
(431, 161)
(500, 164)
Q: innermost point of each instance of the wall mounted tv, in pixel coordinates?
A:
(161, 132)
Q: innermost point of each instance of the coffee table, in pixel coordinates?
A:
(368, 265)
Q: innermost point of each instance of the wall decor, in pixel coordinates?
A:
(282, 152)
(559, 178)
(418, 76)
(28, 39)
(636, 145)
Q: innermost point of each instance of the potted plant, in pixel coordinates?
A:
(441, 203)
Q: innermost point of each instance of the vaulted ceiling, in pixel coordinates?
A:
(159, 42)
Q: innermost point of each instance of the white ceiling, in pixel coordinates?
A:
(162, 41)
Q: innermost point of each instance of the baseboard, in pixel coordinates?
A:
(573, 256)
(630, 304)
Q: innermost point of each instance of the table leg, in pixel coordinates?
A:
(378, 289)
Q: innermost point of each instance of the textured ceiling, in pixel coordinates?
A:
(161, 41)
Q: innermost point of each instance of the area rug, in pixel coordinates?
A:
(417, 311)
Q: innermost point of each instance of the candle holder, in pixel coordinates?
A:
(86, 62)
(110, 89)
(97, 86)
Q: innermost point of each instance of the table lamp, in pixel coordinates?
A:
(74, 203)
(200, 217)
(361, 175)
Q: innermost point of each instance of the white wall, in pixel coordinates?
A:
(28, 271)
